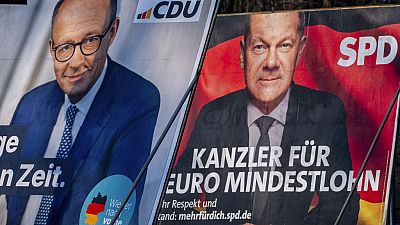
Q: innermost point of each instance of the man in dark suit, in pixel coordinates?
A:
(97, 113)
(273, 111)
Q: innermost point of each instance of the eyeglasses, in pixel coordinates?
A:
(88, 46)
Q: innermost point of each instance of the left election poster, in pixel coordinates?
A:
(82, 88)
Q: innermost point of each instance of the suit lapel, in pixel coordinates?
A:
(290, 132)
(41, 123)
(240, 132)
(240, 138)
(95, 121)
(292, 119)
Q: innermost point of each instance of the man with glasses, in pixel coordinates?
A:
(97, 113)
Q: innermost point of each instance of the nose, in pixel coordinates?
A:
(77, 58)
(271, 60)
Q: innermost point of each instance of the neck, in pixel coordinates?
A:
(267, 107)
(74, 99)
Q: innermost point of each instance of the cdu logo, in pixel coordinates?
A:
(162, 11)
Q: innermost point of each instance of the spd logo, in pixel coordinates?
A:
(164, 11)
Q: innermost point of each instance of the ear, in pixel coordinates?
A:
(114, 30)
(302, 45)
(51, 48)
(242, 54)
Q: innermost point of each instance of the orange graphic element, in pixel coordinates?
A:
(370, 213)
(149, 13)
(91, 219)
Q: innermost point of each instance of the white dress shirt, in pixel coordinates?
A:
(275, 132)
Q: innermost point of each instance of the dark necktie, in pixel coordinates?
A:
(62, 153)
(260, 198)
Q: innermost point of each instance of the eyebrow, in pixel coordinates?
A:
(88, 34)
(260, 38)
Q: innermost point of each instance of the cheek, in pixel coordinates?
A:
(252, 85)
(59, 69)
(92, 62)
(288, 61)
(251, 68)
(91, 59)
(255, 62)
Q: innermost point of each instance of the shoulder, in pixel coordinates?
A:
(49, 90)
(310, 97)
(318, 105)
(130, 86)
(226, 102)
(42, 95)
(130, 80)
(225, 109)
(38, 100)
(126, 95)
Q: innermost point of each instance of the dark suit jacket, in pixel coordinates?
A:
(115, 137)
(311, 115)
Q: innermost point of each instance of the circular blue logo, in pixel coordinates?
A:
(105, 199)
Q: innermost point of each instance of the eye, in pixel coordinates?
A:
(64, 48)
(286, 46)
(90, 39)
(259, 49)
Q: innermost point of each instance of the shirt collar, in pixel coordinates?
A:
(279, 113)
(84, 104)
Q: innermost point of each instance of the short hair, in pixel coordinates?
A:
(112, 13)
(300, 28)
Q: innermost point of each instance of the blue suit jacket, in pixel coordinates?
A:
(115, 137)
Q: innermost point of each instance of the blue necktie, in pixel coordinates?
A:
(62, 153)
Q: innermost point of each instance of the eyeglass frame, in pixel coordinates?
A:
(101, 36)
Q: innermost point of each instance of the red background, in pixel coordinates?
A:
(365, 90)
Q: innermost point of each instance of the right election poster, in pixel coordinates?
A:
(281, 120)
(86, 91)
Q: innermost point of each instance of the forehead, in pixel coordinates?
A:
(279, 24)
(78, 19)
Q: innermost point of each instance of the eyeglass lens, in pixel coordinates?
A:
(89, 46)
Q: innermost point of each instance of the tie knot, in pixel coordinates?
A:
(71, 113)
(264, 123)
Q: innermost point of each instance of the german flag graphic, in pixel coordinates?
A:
(94, 208)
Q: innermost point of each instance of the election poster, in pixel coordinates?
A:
(86, 89)
(282, 117)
